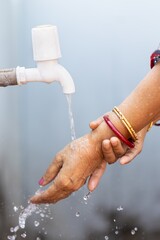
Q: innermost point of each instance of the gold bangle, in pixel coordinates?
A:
(125, 123)
(149, 126)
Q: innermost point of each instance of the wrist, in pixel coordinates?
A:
(103, 131)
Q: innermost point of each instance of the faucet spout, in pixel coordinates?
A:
(46, 52)
(47, 72)
(65, 80)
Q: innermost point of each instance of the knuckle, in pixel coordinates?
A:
(67, 184)
(119, 154)
(111, 161)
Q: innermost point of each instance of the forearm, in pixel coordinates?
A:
(140, 108)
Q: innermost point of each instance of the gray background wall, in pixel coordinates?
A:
(106, 46)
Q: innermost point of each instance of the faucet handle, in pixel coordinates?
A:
(45, 43)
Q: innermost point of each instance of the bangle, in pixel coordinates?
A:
(149, 126)
(154, 58)
(157, 124)
(125, 123)
(117, 133)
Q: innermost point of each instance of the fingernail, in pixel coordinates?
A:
(41, 181)
(92, 186)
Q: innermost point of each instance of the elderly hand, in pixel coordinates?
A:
(80, 160)
(70, 169)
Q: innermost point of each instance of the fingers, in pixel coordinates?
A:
(94, 124)
(113, 149)
(96, 176)
(51, 195)
(61, 188)
(52, 171)
(130, 155)
(118, 147)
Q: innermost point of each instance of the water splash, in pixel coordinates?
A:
(26, 213)
(72, 126)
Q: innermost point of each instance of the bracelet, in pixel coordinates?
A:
(117, 133)
(149, 126)
(154, 58)
(157, 124)
(125, 123)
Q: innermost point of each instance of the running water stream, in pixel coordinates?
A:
(33, 208)
(71, 119)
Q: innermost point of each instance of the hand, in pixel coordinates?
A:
(70, 169)
(113, 150)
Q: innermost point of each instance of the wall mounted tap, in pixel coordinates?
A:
(46, 52)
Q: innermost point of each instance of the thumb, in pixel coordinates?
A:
(94, 124)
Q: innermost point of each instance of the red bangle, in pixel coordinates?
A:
(157, 124)
(117, 133)
(154, 58)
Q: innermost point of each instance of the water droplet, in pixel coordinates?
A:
(12, 237)
(106, 238)
(15, 208)
(12, 229)
(16, 228)
(114, 220)
(136, 229)
(116, 232)
(120, 208)
(42, 215)
(36, 223)
(133, 232)
(85, 198)
(23, 235)
(77, 214)
(38, 238)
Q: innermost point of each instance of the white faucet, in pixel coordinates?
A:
(46, 52)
